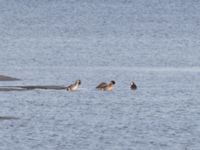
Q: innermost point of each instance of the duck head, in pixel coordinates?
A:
(112, 82)
(78, 82)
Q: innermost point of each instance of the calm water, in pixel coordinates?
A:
(154, 43)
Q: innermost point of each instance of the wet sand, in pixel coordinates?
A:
(8, 118)
(26, 87)
(7, 78)
(31, 87)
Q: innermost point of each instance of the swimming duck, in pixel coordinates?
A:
(74, 87)
(106, 87)
(133, 86)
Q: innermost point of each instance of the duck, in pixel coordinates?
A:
(133, 86)
(106, 86)
(74, 87)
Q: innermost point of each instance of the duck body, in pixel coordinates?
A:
(106, 87)
(74, 87)
(133, 86)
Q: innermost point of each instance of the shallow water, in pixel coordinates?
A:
(162, 114)
(57, 42)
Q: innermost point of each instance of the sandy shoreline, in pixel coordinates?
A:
(7, 78)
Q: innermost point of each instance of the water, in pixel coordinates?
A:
(154, 43)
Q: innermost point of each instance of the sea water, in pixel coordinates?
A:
(153, 43)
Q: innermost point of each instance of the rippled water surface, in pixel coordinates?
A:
(154, 43)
